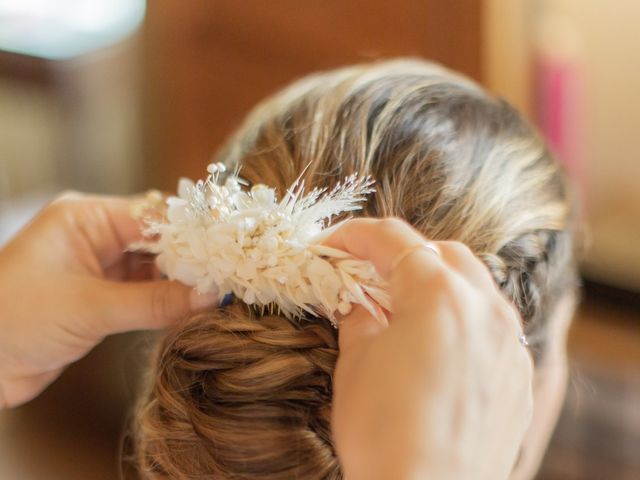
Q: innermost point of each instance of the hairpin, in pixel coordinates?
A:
(220, 236)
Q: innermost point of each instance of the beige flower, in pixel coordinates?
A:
(266, 252)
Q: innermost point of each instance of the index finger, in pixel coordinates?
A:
(379, 240)
(104, 221)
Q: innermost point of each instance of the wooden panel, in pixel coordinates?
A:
(208, 63)
(507, 51)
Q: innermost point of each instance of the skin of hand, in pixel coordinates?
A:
(66, 283)
(444, 391)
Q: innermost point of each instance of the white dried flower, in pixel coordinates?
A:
(264, 251)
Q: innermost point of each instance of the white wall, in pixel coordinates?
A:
(81, 129)
(610, 35)
(606, 37)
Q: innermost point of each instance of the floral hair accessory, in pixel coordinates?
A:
(267, 252)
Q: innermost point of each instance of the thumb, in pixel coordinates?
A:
(126, 306)
(358, 325)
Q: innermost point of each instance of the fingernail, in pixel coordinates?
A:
(201, 301)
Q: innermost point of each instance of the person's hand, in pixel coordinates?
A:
(65, 284)
(443, 391)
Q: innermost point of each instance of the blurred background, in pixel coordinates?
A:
(122, 95)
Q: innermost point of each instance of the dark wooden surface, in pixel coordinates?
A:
(598, 436)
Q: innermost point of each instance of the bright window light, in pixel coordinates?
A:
(59, 29)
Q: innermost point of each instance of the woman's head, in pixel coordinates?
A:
(239, 395)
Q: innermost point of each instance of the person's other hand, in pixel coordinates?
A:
(445, 390)
(66, 283)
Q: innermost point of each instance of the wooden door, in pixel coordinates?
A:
(209, 62)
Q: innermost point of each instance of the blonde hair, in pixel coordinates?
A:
(236, 395)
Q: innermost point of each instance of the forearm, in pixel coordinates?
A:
(394, 460)
(392, 470)
(391, 458)
(402, 470)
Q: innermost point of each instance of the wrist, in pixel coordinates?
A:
(393, 467)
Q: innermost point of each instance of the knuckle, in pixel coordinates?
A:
(64, 201)
(442, 279)
(394, 227)
(355, 223)
(393, 224)
(457, 249)
(354, 226)
(68, 196)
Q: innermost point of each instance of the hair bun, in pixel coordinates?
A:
(240, 396)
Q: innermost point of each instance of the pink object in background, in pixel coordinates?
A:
(560, 110)
(560, 92)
